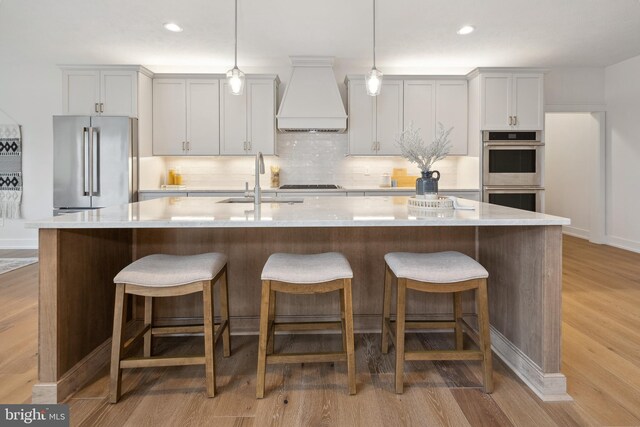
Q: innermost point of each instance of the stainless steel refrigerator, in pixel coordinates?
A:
(95, 162)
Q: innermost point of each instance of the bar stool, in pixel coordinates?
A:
(167, 276)
(305, 274)
(441, 272)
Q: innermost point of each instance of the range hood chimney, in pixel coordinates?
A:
(312, 101)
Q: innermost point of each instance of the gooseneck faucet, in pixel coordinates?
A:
(257, 192)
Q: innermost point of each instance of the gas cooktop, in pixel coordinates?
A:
(310, 187)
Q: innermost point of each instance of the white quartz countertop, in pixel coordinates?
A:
(207, 212)
(304, 190)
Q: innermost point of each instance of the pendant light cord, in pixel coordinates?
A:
(235, 58)
(374, 33)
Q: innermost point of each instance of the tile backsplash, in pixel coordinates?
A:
(306, 158)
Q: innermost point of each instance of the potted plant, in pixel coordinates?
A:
(413, 148)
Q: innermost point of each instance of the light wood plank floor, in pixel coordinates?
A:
(601, 344)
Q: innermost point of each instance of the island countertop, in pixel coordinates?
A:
(213, 212)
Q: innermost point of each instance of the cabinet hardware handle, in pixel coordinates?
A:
(244, 144)
(96, 107)
(250, 146)
(510, 120)
(101, 107)
(515, 120)
(373, 146)
(188, 145)
(183, 143)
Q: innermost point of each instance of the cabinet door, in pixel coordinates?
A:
(361, 119)
(419, 107)
(496, 101)
(528, 106)
(261, 113)
(203, 117)
(118, 93)
(233, 121)
(389, 114)
(81, 92)
(451, 111)
(169, 117)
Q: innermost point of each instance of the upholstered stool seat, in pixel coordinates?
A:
(305, 274)
(167, 276)
(439, 267)
(441, 272)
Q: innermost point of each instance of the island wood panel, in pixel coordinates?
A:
(248, 250)
(525, 284)
(77, 267)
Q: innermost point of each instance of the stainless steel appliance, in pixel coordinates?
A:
(513, 158)
(95, 162)
(527, 198)
(513, 169)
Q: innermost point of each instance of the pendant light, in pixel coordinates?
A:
(235, 77)
(373, 79)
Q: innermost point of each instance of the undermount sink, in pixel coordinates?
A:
(263, 200)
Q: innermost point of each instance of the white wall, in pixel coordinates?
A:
(31, 94)
(622, 95)
(574, 89)
(571, 157)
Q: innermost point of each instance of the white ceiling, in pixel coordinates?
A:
(412, 34)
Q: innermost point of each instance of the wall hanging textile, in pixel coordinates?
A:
(10, 171)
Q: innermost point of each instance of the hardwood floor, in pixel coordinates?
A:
(601, 358)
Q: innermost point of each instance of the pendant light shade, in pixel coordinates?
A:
(235, 77)
(373, 79)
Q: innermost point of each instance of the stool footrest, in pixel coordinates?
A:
(444, 355)
(157, 362)
(182, 329)
(307, 326)
(307, 357)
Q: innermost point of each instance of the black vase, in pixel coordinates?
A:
(428, 183)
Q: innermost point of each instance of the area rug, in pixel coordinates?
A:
(9, 264)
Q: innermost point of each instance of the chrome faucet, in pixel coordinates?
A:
(257, 191)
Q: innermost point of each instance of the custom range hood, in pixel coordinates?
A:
(312, 101)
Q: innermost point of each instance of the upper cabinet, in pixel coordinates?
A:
(247, 121)
(375, 121)
(429, 102)
(109, 91)
(186, 117)
(511, 101)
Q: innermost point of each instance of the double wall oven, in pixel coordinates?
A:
(513, 169)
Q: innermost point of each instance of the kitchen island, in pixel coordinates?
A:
(81, 253)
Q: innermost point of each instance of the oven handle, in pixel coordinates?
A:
(514, 144)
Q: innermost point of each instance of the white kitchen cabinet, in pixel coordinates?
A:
(512, 101)
(375, 121)
(94, 91)
(247, 121)
(186, 119)
(390, 193)
(429, 102)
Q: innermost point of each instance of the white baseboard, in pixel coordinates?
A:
(548, 387)
(618, 242)
(18, 243)
(576, 232)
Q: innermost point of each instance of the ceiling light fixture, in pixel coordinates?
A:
(235, 77)
(173, 27)
(373, 79)
(467, 29)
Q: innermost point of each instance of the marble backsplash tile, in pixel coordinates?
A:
(314, 159)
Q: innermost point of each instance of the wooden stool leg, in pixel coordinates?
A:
(386, 309)
(343, 321)
(272, 316)
(148, 320)
(485, 335)
(262, 339)
(400, 320)
(457, 316)
(119, 319)
(209, 357)
(224, 313)
(351, 357)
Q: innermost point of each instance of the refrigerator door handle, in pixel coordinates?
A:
(95, 161)
(85, 160)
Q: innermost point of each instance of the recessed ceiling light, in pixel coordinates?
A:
(467, 29)
(173, 27)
